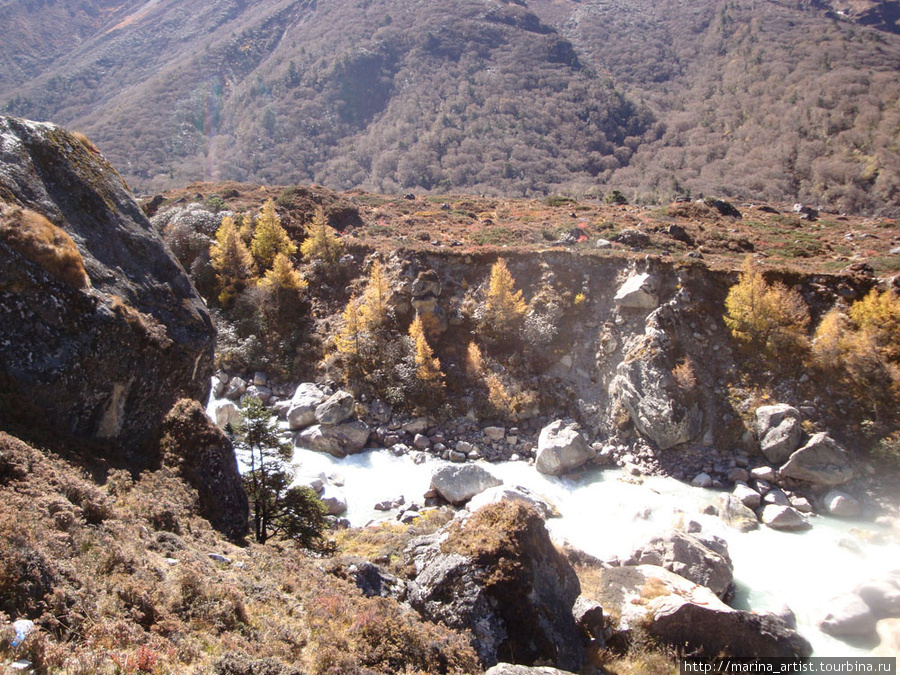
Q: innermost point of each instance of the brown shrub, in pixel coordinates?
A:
(44, 244)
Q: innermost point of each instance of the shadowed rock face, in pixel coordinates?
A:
(103, 361)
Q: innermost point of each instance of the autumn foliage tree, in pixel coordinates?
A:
(322, 242)
(270, 238)
(231, 260)
(859, 350)
(766, 319)
(504, 308)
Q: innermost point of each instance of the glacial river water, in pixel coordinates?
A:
(605, 515)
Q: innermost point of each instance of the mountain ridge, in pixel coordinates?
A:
(759, 99)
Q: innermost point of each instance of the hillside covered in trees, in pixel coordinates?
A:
(762, 99)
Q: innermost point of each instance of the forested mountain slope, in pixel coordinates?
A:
(759, 98)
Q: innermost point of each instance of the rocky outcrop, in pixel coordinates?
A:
(678, 612)
(704, 561)
(645, 387)
(561, 448)
(638, 292)
(203, 455)
(779, 431)
(101, 331)
(821, 461)
(498, 575)
(458, 484)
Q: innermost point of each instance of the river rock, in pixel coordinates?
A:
(515, 494)
(702, 480)
(334, 500)
(561, 448)
(821, 461)
(848, 616)
(735, 514)
(303, 404)
(703, 561)
(841, 504)
(681, 613)
(98, 350)
(644, 386)
(514, 592)
(339, 441)
(336, 408)
(458, 484)
(882, 596)
(638, 292)
(780, 517)
(779, 431)
(746, 495)
(225, 413)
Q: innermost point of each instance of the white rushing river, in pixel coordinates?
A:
(607, 516)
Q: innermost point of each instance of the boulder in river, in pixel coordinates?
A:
(679, 612)
(301, 412)
(336, 408)
(821, 461)
(848, 616)
(704, 561)
(561, 448)
(458, 484)
(339, 441)
(785, 518)
(735, 514)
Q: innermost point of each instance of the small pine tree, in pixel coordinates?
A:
(270, 238)
(276, 508)
(474, 361)
(768, 318)
(231, 260)
(504, 308)
(322, 242)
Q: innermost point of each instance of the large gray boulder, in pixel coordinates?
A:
(458, 484)
(561, 448)
(779, 431)
(301, 412)
(336, 408)
(339, 441)
(645, 387)
(681, 613)
(821, 461)
(498, 575)
(848, 616)
(882, 596)
(703, 561)
(101, 331)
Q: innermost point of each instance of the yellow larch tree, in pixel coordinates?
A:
(428, 367)
(374, 305)
(231, 260)
(322, 242)
(504, 307)
(270, 238)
